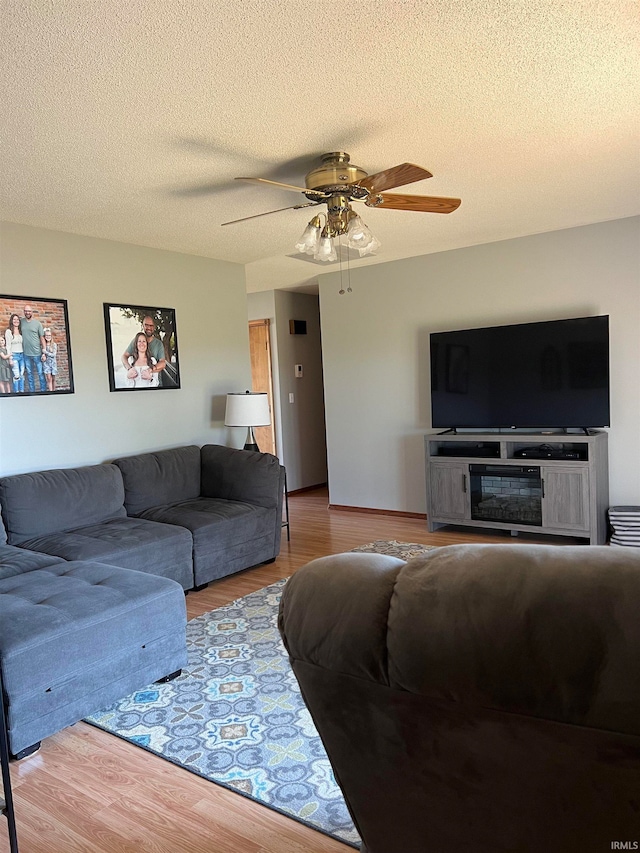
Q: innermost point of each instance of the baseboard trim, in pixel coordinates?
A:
(307, 489)
(372, 511)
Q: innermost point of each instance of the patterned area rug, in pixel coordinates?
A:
(402, 550)
(236, 717)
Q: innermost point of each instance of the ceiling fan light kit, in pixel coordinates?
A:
(319, 241)
(337, 182)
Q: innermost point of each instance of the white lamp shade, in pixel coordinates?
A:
(247, 410)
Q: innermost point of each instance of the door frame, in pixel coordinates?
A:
(262, 379)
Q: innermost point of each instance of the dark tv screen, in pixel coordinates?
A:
(551, 374)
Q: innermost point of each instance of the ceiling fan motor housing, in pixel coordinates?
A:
(338, 213)
(335, 174)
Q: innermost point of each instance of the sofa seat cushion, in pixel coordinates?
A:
(227, 535)
(76, 634)
(132, 543)
(15, 561)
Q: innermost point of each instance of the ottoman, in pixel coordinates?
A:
(77, 636)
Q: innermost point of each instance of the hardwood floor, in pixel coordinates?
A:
(86, 791)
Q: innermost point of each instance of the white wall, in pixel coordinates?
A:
(374, 340)
(94, 424)
(376, 347)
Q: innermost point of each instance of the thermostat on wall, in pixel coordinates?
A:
(298, 371)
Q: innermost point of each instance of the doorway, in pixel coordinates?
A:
(261, 378)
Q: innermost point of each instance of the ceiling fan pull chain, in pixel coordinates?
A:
(341, 291)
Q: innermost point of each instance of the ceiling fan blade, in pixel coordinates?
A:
(396, 176)
(424, 203)
(282, 186)
(268, 212)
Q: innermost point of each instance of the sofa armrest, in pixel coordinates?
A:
(241, 475)
(334, 613)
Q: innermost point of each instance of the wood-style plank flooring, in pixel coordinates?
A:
(86, 791)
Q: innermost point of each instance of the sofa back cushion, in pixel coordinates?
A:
(45, 502)
(241, 475)
(160, 478)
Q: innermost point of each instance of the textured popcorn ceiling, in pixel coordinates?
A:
(115, 111)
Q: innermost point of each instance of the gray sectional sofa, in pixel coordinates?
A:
(79, 514)
(94, 563)
(188, 513)
(75, 636)
(229, 500)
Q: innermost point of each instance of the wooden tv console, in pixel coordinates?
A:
(504, 481)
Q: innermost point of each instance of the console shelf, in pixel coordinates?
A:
(556, 484)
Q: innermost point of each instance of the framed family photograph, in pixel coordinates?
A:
(35, 348)
(142, 347)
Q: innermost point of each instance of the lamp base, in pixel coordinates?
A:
(251, 443)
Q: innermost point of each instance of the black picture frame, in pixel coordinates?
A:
(123, 324)
(39, 370)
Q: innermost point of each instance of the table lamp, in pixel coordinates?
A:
(250, 410)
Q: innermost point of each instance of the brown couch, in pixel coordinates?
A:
(478, 699)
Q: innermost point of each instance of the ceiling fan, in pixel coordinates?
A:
(337, 182)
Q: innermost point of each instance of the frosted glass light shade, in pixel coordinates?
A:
(370, 248)
(326, 250)
(248, 409)
(358, 233)
(308, 242)
(360, 237)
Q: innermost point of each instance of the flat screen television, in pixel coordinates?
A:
(546, 375)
